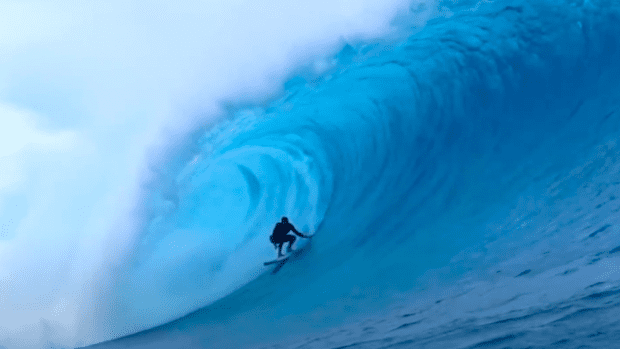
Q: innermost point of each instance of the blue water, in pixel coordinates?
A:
(461, 182)
(471, 155)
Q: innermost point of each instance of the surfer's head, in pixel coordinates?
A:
(284, 220)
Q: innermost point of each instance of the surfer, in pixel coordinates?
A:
(280, 236)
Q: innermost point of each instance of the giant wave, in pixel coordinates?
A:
(398, 157)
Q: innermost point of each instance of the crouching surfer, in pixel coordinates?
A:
(280, 236)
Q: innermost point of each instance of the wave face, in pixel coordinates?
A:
(416, 162)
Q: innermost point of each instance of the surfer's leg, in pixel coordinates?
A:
(290, 239)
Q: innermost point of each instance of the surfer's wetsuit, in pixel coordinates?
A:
(280, 235)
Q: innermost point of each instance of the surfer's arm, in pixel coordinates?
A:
(298, 233)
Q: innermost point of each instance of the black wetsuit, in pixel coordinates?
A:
(280, 233)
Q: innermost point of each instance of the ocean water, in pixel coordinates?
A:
(461, 178)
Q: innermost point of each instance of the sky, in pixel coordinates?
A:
(92, 92)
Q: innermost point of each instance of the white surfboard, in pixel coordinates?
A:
(302, 245)
(278, 260)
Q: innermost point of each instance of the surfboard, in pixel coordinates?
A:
(279, 260)
(302, 247)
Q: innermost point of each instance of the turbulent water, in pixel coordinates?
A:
(461, 182)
